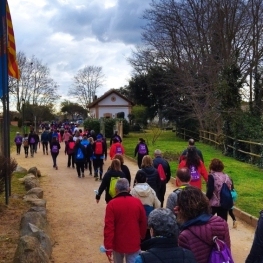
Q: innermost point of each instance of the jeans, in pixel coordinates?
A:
(45, 147)
(129, 258)
(256, 252)
(98, 167)
(32, 149)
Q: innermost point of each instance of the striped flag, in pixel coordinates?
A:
(13, 69)
(3, 49)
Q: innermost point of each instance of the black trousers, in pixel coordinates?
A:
(71, 160)
(45, 147)
(98, 167)
(161, 193)
(220, 212)
(80, 167)
(18, 148)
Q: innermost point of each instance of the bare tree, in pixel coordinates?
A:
(86, 83)
(211, 46)
(35, 85)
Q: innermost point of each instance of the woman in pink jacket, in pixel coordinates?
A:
(198, 226)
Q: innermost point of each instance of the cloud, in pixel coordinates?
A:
(67, 35)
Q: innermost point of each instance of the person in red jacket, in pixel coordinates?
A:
(116, 148)
(196, 167)
(198, 226)
(125, 225)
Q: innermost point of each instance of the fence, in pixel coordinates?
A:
(246, 151)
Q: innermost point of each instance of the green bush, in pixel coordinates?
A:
(94, 124)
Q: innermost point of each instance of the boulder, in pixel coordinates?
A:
(34, 171)
(39, 209)
(34, 218)
(31, 183)
(37, 191)
(20, 169)
(29, 250)
(22, 180)
(36, 201)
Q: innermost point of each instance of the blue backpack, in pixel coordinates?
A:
(226, 200)
(80, 154)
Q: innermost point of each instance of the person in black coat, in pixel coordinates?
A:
(80, 157)
(152, 174)
(124, 167)
(141, 150)
(166, 168)
(114, 171)
(115, 136)
(163, 246)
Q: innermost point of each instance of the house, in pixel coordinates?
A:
(109, 104)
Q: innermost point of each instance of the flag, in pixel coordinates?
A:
(3, 50)
(13, 69)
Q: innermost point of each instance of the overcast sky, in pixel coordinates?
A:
(67, 35)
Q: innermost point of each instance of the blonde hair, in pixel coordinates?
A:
(91, 140)
(115, 165)
(147, 161)
(119, 157)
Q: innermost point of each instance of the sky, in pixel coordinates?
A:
(67, 35)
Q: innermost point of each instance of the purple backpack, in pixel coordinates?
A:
(54, 149)
(118, 150)
(195, 175)
(220, 252)
(142, 149)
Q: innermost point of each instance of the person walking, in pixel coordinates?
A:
(113, 174)
(147, 196)
(125, 225)
(88, 148)
(152, 176)
(37, 141)
(79, 157)
(116, 148)
(44, 140)
(231, 211)
(165, 169)
(65, 136)
(125, 169)
(18, 141)
(163, 245)
(26, 144)
(117, 138)
(140, 150)
(198, 226)
(54, 150)
(215, 182)
(256, 252)
(196, 167)
(32, 141)
(191, 144)
(69, 150)
(182, 180)
(99, 154)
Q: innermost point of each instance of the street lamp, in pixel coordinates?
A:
(23, 115)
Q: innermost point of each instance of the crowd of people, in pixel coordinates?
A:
(137, 226)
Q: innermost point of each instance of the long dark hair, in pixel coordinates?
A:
(192, 158)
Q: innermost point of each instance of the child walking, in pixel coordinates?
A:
(231, 212)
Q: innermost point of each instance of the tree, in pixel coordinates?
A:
(86, 83)
(214, 49)
(73, 109)
(35, 85)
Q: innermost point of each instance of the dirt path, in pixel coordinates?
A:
(77, 220)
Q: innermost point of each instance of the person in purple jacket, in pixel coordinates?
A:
(18, 141)
(198, 226)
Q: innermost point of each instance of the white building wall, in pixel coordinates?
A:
(113, 111)
(118, 100)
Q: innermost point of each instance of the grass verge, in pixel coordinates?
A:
(248, 179)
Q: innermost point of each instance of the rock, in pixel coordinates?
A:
(20, 169)
(31, 183)
(40, 209)
(36, 191)
(34, 218)
(22, 180)
(29, 250)
(34, 171)
(36, 202)
(43, 239)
